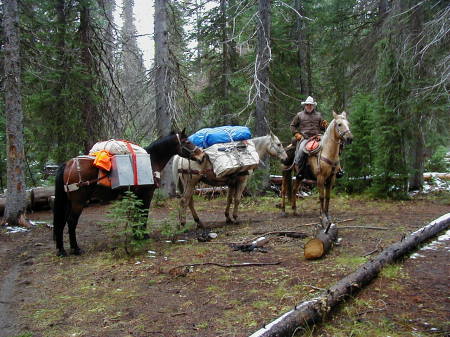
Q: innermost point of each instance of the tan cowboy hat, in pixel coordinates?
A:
(309, 100)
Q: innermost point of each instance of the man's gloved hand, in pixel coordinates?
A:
(298, 136)
(324, 124)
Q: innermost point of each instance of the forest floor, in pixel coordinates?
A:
(106, 293)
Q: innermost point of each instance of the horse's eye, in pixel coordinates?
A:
(339, 124)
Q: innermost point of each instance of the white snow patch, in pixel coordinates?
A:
(443, 241)
(16, 229)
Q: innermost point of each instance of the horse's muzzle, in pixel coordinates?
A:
(348, 139)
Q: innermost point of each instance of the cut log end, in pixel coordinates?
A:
(321, 244)
(314, 249)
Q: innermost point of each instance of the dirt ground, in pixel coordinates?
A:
(105, 293)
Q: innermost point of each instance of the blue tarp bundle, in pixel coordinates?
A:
(222, 134)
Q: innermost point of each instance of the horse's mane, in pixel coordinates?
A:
(328, 130)
(159, 143)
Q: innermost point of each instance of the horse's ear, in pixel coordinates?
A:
(344, 114)
(272, 135)
(183, 132)
(334, 114)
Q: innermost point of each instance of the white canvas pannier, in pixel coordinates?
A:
(116, 147)
(234, 157)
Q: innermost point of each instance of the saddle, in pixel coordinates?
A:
(313, 145)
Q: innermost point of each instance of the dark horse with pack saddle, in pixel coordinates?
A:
(77, 181)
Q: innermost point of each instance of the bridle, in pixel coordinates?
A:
(341, 134)
(278, 150)
(184, 147)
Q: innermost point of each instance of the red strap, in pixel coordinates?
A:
(134, 163)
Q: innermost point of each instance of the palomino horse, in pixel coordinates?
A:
(80, 174)
(322, 166)
(187, 174)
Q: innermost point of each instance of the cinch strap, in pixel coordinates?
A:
(134, 163)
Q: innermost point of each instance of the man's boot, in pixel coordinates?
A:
(340, 173)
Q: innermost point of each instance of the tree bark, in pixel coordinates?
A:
(314, 310)
(302, 51)
(262, 68)
(321, 244)
(89, 108)
(163, 79)
(15, 196)
(40, 197)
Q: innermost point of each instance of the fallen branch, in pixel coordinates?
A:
(377, 248)
(224, 265)
(314, 310)
(365, 227)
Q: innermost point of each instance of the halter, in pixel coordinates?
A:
(278, 150)
(341, 134)
(184, 147)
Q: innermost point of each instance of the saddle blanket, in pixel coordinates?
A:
(232, 158)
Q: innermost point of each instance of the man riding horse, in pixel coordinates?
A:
(307, 123)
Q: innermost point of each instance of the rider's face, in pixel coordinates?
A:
(309, 107)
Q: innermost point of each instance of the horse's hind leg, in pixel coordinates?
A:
(58, 231)
(295, 188)
(231, 192)
(72, 222)
(285, 181)
(238, 196)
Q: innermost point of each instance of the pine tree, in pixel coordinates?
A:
(15, 196)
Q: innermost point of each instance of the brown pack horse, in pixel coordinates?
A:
(322, 166)
(77, 182)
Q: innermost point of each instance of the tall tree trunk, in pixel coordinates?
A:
(263, 59)
(418, 142)
(163, 75)
(89, 109)
(302, 51)
(15, 196)
(61, 79)
(226, 66)
(262, 81)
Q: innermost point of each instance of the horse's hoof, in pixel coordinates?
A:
(76, 251)
(61, 253)
(284, 214)
(200, 225)
(229, 221)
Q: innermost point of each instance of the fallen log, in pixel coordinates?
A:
(321, 243)
(40, 197)
(314, 310)
(430, 176)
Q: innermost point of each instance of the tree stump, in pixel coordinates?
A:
(321, 243)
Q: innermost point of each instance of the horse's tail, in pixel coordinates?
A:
(287, 181)
(60, 202)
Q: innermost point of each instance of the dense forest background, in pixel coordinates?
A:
(247, 62)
